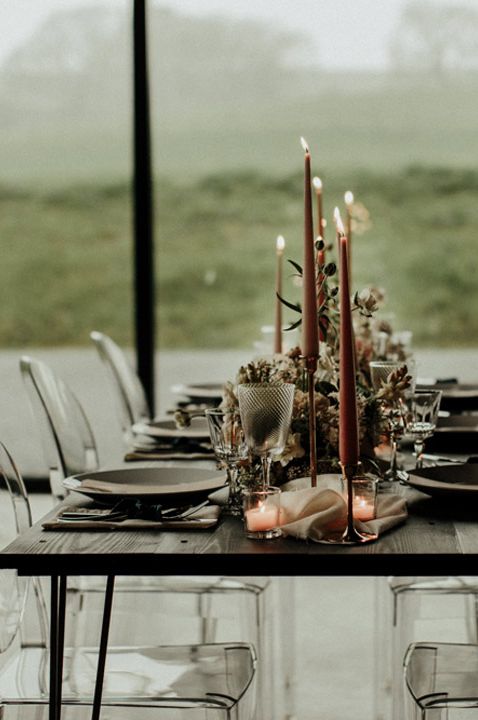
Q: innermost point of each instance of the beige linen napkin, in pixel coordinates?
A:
(312, 513)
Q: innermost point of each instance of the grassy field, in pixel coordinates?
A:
(67, 254)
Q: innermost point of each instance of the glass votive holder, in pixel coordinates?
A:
(364, 497)
(262, 513)
(364, 488)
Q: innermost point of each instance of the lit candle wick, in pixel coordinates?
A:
(338, 222)
(304, 144)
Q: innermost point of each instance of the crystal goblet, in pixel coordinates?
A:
(266, 413)
(421, 417)
(230, 447)
(392, 411)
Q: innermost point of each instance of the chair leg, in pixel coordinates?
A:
(384, 607)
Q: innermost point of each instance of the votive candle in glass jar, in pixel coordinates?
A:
(262, 513)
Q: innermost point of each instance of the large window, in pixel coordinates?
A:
(383, 92)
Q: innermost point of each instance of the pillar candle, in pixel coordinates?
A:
(280, 244)
(348, 421)
(310, 335)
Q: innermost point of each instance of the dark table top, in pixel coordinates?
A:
(438, 537)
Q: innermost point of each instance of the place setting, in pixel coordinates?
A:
(184, 436)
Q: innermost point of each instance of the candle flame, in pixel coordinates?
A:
(317, 183)
(280, 244)
(349, 198)
(338, 222)
(304, 145)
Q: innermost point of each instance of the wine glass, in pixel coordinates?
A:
(393, 412)
(421, 416)
(266, 413)
(230, 447)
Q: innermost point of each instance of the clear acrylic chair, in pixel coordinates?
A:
(440, 682)
(200, 681)
(426, 608)
(127, 388)
(206, 609)
(67, 439)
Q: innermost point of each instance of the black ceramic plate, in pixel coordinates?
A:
(161, 485)
(454, 434)
(448, 481)
(200, 391)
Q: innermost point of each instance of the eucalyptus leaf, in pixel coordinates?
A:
(293, 306)
(295, 265)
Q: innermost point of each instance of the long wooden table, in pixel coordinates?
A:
(437, 537)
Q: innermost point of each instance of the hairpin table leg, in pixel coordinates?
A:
(57, 640)
(53, 709)
(105, 627)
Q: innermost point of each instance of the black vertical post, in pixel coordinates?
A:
(143, 210)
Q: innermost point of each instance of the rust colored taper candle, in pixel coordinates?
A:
(317, 183)
(349, 452)
(320, 288)
(280, 245)
(310, 331)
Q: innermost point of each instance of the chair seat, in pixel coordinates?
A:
(215, 678)
(174, 583)
(455, 585)
(442, 675)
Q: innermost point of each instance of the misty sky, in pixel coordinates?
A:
(344, 33)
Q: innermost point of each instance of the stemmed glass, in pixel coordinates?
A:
(392, 411)
(266, 413)
(230, 447)
(421, 416)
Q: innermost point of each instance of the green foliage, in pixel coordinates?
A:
(66, 261)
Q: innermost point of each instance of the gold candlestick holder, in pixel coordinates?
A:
(350, 536)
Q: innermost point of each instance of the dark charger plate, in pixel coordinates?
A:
(447, 481)
(455, 434)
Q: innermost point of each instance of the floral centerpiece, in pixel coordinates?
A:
(374, 339)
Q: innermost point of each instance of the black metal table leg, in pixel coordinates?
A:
(57, 641)
(105, 627)
(53, 710)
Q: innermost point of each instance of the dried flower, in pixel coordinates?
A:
(395, 385)
(366, 302)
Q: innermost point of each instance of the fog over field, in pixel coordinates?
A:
(384, 92)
